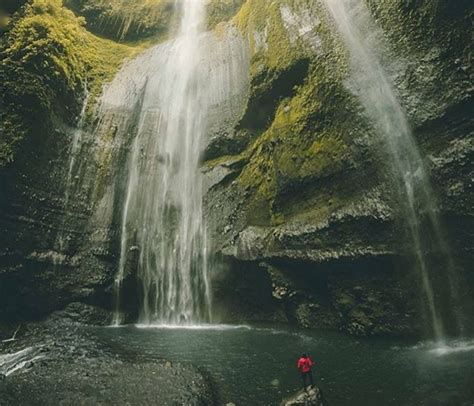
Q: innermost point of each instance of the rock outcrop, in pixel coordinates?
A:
(307, 194)
(59, 362)
(313, 397)
(50, 65)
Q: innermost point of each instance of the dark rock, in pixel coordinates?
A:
(69, 365)
(83, 314)
(332, 210)
(313, 397)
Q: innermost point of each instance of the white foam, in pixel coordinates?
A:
(10, 363)
(218, 327)
(453, 348)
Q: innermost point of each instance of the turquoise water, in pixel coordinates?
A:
(256, 366)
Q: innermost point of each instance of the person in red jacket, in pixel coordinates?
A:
(304, 366)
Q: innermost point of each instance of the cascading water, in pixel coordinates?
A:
(378, 97)
(74, 154)
(163, 208)
(167, 101)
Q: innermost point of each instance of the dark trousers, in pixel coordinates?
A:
(307, 376)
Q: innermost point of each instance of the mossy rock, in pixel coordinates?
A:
(7, 9)
(126, 20)
(47, 60)
(219, 11)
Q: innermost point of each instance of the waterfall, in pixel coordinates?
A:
(371, 84)
(163, 208)
(74, 155)
(161, 107)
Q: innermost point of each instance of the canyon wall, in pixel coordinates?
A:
(301, 207)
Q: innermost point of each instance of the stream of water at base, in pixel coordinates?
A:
(254, 366)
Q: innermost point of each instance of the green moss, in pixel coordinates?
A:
(125, 19)
(7, 9)
(47, 57)
(308, 135)
(304, 162)
(219, 11)
(4, 20)
(426, 24)
(261, 21)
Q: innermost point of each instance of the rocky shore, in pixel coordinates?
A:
(58, 361)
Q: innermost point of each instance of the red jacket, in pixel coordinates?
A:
(305, 364)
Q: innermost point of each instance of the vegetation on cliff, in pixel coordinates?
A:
(424, 24)
(303, 154)
(125, 20)
(7, 8)
(306, 132)
(47, 59)
(221, 10)
(300, 115)
(311, 162)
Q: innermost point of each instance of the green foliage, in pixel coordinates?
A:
(125, 19)
(46, 60)
(7, 8)
(221, 10)
(305, 137)
(262, 21)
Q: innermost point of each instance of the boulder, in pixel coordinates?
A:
(313, 397)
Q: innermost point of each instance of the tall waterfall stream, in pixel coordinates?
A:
(419, 208)
(174, 94)
(163, 213)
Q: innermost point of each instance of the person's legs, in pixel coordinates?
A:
(310, 373)
(304, 375)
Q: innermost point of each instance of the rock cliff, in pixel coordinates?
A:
(306, 195)
(301, 208)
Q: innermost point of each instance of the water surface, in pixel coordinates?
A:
(256, 366)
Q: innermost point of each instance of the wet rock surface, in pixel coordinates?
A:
(312, 191)
(296, 181)
(312, 397)
(60, 362)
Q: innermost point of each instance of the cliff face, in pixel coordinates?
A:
(49, 62)
(308, 197)
(301, 206)
(61, 171)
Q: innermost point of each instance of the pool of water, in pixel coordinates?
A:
(256, 365)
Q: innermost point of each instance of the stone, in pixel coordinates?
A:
(313, 397)
(111, 378)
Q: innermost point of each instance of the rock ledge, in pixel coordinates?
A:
(313, 397)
